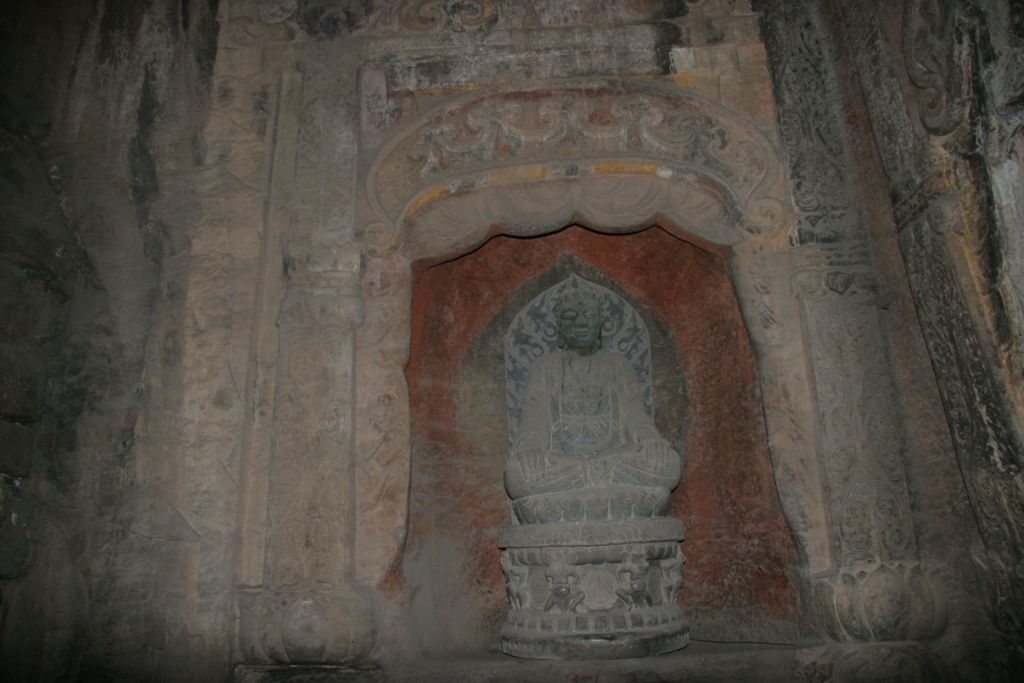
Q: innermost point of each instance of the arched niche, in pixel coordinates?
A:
(444, 215)
(740, 552)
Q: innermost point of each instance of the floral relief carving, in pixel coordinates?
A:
(518, 136)
(465, 16)
(432, 15)
(864, 468)
(807, 93)
(987, 449)
(935, 60)
(811, 131)
(837, 280)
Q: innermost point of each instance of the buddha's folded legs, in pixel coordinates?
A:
(562, 475)
(565, 473)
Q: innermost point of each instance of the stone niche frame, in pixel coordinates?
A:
(612, 156)
(358, 196)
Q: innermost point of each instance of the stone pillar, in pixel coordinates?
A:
(298, 598)
(309, 608)
(986, 442)
(931, 111)
(876, 589)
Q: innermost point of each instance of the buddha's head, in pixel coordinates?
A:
(579, 321)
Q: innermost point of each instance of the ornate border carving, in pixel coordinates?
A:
(934, 60)
(518, 136)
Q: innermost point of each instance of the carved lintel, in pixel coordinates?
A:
(852, 285)
(516, 136)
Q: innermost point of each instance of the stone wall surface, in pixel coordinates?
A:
(103, 104)
(247, 418)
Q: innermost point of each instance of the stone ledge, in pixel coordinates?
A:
(592, 533)
(704, 661)
(306, 673)
(727, 663)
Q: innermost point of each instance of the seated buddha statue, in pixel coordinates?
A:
(585, 446)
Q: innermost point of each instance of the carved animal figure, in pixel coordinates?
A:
(673, 575)
(635, 590)
(563, 589)
(515, 582)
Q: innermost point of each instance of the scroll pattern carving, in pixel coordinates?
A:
(330, 18)
(987, 448)
(311, 610)
(837, 279)
(518, 136)
(903, 157)
(806, 91)
(432, 15)
(934, 60)
(437, 16)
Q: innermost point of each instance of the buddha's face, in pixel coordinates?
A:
(579, 324)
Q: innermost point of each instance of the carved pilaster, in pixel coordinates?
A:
(309, 608)
(953, 251)
(876, 589)
(934, 57)
(987, 447)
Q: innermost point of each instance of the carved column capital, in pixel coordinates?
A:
(844, 271)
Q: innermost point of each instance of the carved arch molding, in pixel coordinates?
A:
(533, 154)
(615, 156)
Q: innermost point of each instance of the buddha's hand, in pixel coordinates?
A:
(534, 464)
(656, 454)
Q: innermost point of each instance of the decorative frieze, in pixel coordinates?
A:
(836, 277)
(513, 137)
(935, 57)
(988, 449)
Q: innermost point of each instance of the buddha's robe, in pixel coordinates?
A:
(584, 424)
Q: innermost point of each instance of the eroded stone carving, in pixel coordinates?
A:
(987, 448)
(589, 477)
(869, 595)
(535, 332)
(463, 16)
(514, 137)
(934, 59)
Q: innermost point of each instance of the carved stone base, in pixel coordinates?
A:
(305, 625)
(593, 590)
